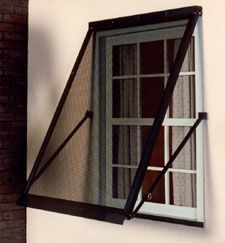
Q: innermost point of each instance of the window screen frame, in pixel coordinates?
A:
(155, 209)
(78, 208)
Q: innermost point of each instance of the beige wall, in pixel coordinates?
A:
(56, 31)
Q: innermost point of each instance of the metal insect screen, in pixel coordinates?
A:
(121, 78)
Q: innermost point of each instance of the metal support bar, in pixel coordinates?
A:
(146, 155)
(88, 114)
(201, 116)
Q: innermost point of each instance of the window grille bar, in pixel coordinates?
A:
(160, 115)
(201, 117)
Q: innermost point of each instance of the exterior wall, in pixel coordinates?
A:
(13, 100)
(56, 31)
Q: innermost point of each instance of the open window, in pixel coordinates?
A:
(126, 139)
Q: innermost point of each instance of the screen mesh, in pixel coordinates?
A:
(69, 176)
(122, 81)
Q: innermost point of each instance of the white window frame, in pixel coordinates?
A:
(196, 214)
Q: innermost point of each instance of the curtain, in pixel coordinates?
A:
(126, 136)
(183, 106)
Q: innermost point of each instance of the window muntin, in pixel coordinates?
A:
(132, 118)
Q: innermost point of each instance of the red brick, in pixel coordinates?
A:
(18, 126)
(5, 153)
(3, 108)
(6, 98)
(4, 89)
(6, 44)
(17, 214)
(9, 36)
(17, 108)
(5, 8)
(20, 3)
(6, 27)
(7, 126)
(7, 2)
(21, 10)
(20, 36)
(20, 99)
(9, 207)
(7, 224)
(6, 63)
(9, 162)
(11, 233)
(7, 189)
(14, 54)
(21, 28)
(20, 45)
(20, 117)
(10, 179)
(8, 197)
(20, 222)
(8, 144)
(5, 135)
(17, 240)
(12, 18)
(10, 72)
(7, 117)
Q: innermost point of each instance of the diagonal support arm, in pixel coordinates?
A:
(201, 116)
(146, 155)
(32, 179)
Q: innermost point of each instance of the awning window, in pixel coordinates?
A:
(108, 127)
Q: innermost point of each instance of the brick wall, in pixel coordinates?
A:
(13, 98)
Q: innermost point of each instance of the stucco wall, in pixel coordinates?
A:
(56, 31)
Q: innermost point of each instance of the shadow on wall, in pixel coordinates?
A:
(43, 89)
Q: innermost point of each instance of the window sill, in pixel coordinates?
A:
(97, 212)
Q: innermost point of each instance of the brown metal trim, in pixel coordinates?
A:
(147, 153)
(85, 210)
(57, 113)
(144, 19)
(171, 220)
(96, 212)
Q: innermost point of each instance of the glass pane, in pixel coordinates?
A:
(125, 148)
(151, 94)
(172, 49)
(152, 57)
(183, 189)
(122, 180)
(124, 60)
(125, 98)
(187, 156)
(158, 195)
(183, 99)
(157, 158)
